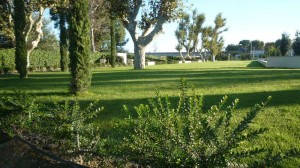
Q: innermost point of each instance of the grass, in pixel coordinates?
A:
(248, 81)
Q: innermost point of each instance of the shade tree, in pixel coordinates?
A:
(296, 44)
(80, 46)
(211, 36)
(285, 44)
(188, 31)
(144, 21)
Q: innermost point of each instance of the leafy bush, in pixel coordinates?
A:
(17, 112)
(7, 58)
(67, 122)
(187, 136)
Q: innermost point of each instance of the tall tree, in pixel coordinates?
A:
(188, 31)
(113, 45)
(258, 45)
(49, 41)
(19, 26)
(285, 44)
(104, 39)
(63, 42)
(59, 14)
(271, 49)
(154, 13)
(296, 44)
(80, 43)
(94, 6)
(211, 36)
(232, 48)
(245, 44)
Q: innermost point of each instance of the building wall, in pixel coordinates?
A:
(284, 62)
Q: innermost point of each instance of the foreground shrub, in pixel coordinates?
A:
(65, 124)
(17, 112)
(187, 136)
(68, 122)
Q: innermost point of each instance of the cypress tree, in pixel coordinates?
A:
(64, 59)
(113, 42)
(21, 51)
(296, 44)
(80, 46)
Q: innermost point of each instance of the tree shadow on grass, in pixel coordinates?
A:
(114, 108)
(255, 64)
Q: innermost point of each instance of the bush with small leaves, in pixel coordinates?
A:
(187, 136)
(67, 122)
(17, 112)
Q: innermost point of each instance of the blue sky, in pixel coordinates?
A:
(263, 20)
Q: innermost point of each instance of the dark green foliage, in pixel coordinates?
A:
(296, 44)
(80, 46)
(285, 44)
(68, 122)
(65, 123)
(113, 41)
(21, 51)
(7, 58)
(6, 25)
(187, 136)
(41, 59)
(17, 112)
(64, 58)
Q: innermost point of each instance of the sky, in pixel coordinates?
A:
(263, 20)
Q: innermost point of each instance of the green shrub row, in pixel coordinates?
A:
(40, 59)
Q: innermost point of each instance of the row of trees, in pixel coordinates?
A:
(76, 20)
(189, 30)
(280, 47)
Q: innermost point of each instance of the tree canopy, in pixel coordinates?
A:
(153, 14)
(296, 44)
(211, 36)
(188, 31)
(285, 44)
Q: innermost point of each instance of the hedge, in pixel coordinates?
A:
(40, 59)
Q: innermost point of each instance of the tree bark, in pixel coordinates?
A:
(38, 33)
(93, 6)
(139, 56)
(213, 58)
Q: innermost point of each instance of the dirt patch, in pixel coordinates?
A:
(16, 153)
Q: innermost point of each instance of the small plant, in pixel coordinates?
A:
(69, 123)
(17, 112)
(187, 136)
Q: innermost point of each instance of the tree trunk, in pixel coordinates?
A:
(182, 57)
(38, 34)
(213, 58)
(139, 56)
(93, 48)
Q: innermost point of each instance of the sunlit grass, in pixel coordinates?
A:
(248, 81)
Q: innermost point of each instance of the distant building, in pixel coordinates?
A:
(174, 54)
(257, 53)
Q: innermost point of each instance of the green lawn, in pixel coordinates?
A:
(248, 81)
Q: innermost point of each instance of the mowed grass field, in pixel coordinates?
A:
(245, 80)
